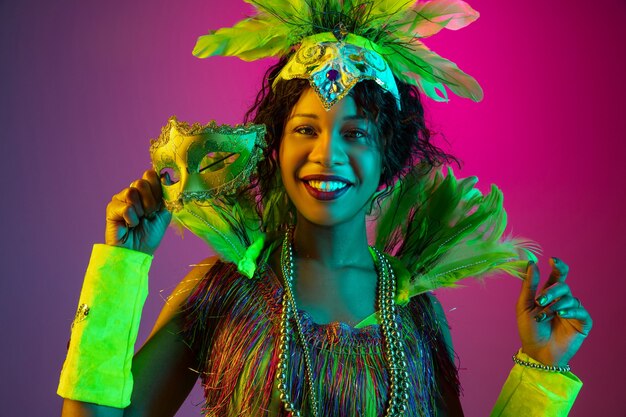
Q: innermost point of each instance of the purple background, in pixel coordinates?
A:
(85, 85)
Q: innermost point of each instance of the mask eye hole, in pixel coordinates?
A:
(169, 176)
(214, 161)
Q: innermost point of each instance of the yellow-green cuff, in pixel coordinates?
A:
(97, 368)
(531, 392)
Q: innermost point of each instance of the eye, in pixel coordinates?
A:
(357, 135)
(169, 176)
(305, 130)
(214, 161)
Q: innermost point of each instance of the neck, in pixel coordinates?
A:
(335, 246)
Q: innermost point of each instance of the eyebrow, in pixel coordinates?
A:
(315, 116)
(305, 115)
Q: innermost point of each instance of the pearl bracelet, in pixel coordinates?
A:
(540, 366)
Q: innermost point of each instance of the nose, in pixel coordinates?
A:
(329, 150)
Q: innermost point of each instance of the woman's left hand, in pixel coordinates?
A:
(552, 323)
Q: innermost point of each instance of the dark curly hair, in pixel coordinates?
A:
(404, 139)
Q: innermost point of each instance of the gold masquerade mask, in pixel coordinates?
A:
(198, 162)
(201, 166)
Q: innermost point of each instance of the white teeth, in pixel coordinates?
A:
(327, 186)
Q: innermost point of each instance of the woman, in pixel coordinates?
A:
(304, 335)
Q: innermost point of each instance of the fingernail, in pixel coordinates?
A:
(540, 317)
(542, 301)
(556, 261)
(562, 313)
(530, 264)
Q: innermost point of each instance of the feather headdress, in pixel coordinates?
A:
(391, 29)
(442, 229)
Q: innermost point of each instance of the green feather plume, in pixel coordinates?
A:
(229, 224)
(443, 230)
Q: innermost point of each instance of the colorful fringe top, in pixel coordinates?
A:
(234, 322)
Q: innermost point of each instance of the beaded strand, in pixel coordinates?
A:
(393, 344)
(541, 366)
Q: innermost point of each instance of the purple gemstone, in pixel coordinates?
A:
(332, 74)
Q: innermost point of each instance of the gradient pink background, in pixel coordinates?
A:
(85, 85)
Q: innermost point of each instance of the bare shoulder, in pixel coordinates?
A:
(175, 301)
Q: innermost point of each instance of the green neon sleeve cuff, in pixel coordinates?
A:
(531, 392)
(97, 368)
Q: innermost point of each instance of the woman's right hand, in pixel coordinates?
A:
(136, 217)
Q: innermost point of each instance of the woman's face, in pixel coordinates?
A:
(330, 161)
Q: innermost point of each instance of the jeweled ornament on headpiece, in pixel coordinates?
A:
(334, 67)
(335, 44)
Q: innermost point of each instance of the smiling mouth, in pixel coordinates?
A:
(325, 188)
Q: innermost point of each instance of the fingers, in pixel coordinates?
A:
(141, 199)
(552, 299)
(529, 287)
(558, 272)
(557, 300)
(559, 307)
(125, 206)
(570, 308)
(149, 192)
(136, 217)
(155, 184)
(581, 315)
(166, 178)
(142, 191)
(554, 292)
(555, 295)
